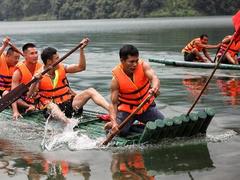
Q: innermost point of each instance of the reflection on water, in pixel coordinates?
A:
(136, 164)
(14, 161)
(194, 85)
(230, 87)
(152, 163)
(176, 159)
(129, 166)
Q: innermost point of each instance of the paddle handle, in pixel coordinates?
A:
(54, 64)
(210, 77)
(16, 49)
(215, 58)
(112, 135)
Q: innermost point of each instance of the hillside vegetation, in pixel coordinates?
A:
(96, 9)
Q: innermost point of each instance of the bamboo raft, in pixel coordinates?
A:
(153, 132)
(194, 64)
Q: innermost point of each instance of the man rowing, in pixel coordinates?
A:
(54, 91)
(133, 80)
(24, 73)
(8, 62)
(231, 55)
(192, 50)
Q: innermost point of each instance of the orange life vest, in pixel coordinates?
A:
(132, 93)
(5, 74)
(27, 77)
(190, 46)
(49, 91)
(233, 49)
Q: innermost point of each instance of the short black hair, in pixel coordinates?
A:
(127, 50)
(203, 35)
(10, 51)
(48, 53)
(28, 45)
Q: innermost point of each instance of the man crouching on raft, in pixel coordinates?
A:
(192, 50)
(54, 91)
(133, 80)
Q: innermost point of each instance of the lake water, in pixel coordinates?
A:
(215, 157)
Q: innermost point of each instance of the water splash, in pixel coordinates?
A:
(73, 140)
(221, 137)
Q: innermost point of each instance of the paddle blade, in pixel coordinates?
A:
(236, 21)
(236, 24)
(16, 49)
(12, 96)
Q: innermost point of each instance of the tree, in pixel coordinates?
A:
(217, 7)
(35, 7)
(11, 10)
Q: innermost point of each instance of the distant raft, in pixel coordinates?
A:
(194, 64)
(152, 132)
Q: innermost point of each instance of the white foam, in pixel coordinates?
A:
(73, 140)
(221, 137)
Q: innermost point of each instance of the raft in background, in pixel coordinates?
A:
(152, 132)
(194, 64)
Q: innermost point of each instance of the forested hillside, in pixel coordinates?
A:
(95, 9)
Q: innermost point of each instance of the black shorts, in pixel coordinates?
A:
(1, 92)
(67, 108)
(225, 60)
(190, 57)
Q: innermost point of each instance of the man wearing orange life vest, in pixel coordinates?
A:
(53, 88)
(8, 62)
(192, 50)
(133, 80)
(231, 55)
(23, 74)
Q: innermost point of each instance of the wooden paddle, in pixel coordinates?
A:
(214, 70)
(215, 58)
(17, 92)
(15, 49)
(112, 135)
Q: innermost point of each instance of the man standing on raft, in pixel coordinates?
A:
(133, 80)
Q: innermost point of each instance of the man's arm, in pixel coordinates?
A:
(205, 52)
(81, 66)
(150, 73)
(4, 45)
(113, 105)
(33, 89)
(207, 46)
(15, 82)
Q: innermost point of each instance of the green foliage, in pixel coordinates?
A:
(217, 7)
(11, 10)
(176, 8)
(89, 9)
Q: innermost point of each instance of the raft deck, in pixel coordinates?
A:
(152, 132)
